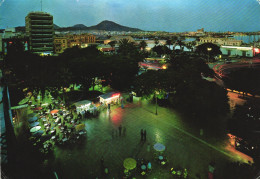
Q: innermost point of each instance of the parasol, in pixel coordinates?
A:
(54, 111)
(34, 124)
(36, 128)
(129, 163)
(159, 147)
(33, 119)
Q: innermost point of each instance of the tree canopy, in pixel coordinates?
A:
(208, 49)
(185, 88)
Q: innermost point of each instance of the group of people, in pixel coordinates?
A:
(120, 132)
(61, 125)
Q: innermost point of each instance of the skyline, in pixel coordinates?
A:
(153, 15)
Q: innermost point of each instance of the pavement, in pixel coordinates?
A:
(184, 147)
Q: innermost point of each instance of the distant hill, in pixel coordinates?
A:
(104, 25)
(20, 29)
(56, 26)
(112, 26)
(80, 27)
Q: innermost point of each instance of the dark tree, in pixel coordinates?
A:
(208, 49)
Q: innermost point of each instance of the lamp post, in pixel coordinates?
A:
(209, 49)
(156, 93)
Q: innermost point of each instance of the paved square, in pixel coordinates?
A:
(182, 149)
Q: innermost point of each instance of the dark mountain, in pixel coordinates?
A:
(20, 29)
(56, 26)
(112, 26)
(104, 25)
(74, 28)
(80, 27)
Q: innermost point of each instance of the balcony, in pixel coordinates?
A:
(42, 39)
(42, 49)
(42, 43)
(41, 17)
(41, 21)
(41, 30)
(40, 26)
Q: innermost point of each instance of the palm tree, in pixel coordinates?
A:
(193, 43)
(181, 44)
(189, 46)
(112, 44)
(126, 47)
(142, 45)
(168, 42)
(156, 41)
(174, 40)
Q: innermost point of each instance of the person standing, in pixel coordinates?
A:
(120, 129)
(102, 161)
(112, 133)
(142, 135)
(124, 131)
(148, 148)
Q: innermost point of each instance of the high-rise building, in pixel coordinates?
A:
(39, 28)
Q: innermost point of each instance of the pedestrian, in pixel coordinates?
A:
(112, 133)
(124, 131)
(148, 148)
(102, 161)
(142, 135)
(85, 114)
(120, 129)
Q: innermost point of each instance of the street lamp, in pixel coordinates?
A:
(209, 49)
(156, 93)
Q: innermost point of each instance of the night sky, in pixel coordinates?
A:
(163, 15)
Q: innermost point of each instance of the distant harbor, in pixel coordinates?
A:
(247, 38)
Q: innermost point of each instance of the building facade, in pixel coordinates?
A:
(80, 39)
(39, 28)
(220, 41)
(237, 51)
(117, 39)
(60, 44)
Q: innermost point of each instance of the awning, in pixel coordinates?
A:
(110, 95)
(80, 103)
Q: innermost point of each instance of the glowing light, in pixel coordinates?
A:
(115, 95)
(164, 67)
(257, 50)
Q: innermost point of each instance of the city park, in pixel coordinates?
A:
(84, 111)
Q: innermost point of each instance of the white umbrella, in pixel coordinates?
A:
(36, 128)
